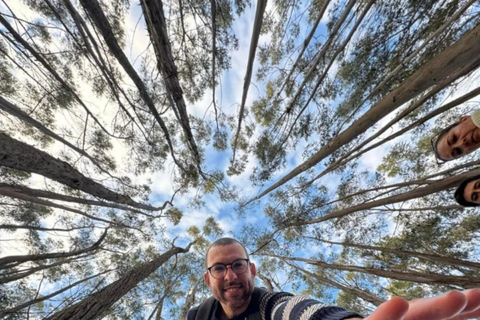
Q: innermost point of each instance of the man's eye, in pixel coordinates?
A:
(218, 268)
(453, 139)
(475, 196)
(477, 184)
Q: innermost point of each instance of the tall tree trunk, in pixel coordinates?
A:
(414, 276)
(16, 275)
(457, 60)
(101, 22)
(427, 256)
(21, 156)
(16, 195)
(20, 114)
(97, 303)
(48, 296)
(365, 295)
(56, 196)
(437, 186)
(157, 28)
(257, 27)
(52, 71)
(5, 261)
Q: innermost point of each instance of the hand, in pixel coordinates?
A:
(454, 305)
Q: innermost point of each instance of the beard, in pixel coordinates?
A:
(236, 296)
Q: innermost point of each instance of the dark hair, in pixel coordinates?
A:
(439, 136)
(459, 193)
(224, 242)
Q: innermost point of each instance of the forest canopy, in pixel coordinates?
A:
(135, 133)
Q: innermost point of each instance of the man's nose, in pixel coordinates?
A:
(230, 274)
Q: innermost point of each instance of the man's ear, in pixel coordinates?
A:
(206, 277)
(253, 269)
(463, 118)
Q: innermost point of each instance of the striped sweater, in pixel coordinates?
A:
(267, 305)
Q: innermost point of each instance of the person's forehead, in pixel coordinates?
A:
(443, 149)
(224, 253)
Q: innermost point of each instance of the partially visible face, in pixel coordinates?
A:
(471, 193)
(459, 140)
(233, 291)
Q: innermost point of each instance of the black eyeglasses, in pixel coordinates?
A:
(218, 270)
(434, 142)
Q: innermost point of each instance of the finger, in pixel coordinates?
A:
(438, 308)
(467, 315)
(394, 309)
(473, 300)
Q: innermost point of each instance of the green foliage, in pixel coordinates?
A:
(174, 215)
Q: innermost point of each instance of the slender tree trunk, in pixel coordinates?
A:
(157, 28)
(306, 42)
(190, 299)
(434, 187)
(21, 156)
(46, 297)
(365, 295)
(101, 22)
(457, 60)
(321, 55)
(427, 256)
(420, 277)
(56, 196)
(14, 226)
(50, 69)
(13, 276)
(266, 281)
(25, 197)
(4, 262)
(257, 27)
(97, 303)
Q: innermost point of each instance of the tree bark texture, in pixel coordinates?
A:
(94, 305)
(21, 156)
(454, 62)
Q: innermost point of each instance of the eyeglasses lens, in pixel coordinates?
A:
(238, 266)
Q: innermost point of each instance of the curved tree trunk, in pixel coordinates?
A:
(257, 27)
(454, 62)
(21, 156)
(157, 28)
(101, 22)
(365, 295)
(94, 305)
(420, 277)
(4, 262)
(427, 256)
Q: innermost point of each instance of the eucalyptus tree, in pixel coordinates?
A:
(92, 108)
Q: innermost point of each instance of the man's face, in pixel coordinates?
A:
(459, 140)
(233, 291)
(471, 193)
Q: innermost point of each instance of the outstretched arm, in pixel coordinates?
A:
(454, 305)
